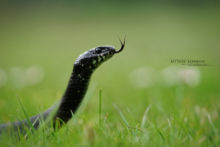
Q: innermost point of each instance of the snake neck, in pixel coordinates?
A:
(74, 94)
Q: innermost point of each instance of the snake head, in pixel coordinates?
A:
(96, 56)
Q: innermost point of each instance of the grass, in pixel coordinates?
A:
(100, 107)
(136, 106)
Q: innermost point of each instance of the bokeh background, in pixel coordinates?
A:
(39, 42)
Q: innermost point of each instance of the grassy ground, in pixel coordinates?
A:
(146, 99)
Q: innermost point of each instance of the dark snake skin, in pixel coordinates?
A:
(83, 69)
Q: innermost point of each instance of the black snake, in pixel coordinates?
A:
(83, 69)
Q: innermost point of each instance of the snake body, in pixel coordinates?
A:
(83, 69)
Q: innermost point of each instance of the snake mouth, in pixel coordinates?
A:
(122, 46)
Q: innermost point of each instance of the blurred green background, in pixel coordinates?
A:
(39, 42)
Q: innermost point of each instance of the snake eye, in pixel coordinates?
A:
(98, 50)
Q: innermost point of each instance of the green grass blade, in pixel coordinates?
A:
(26, 115)
(122, 116)
(144, 118)
(100, 107)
